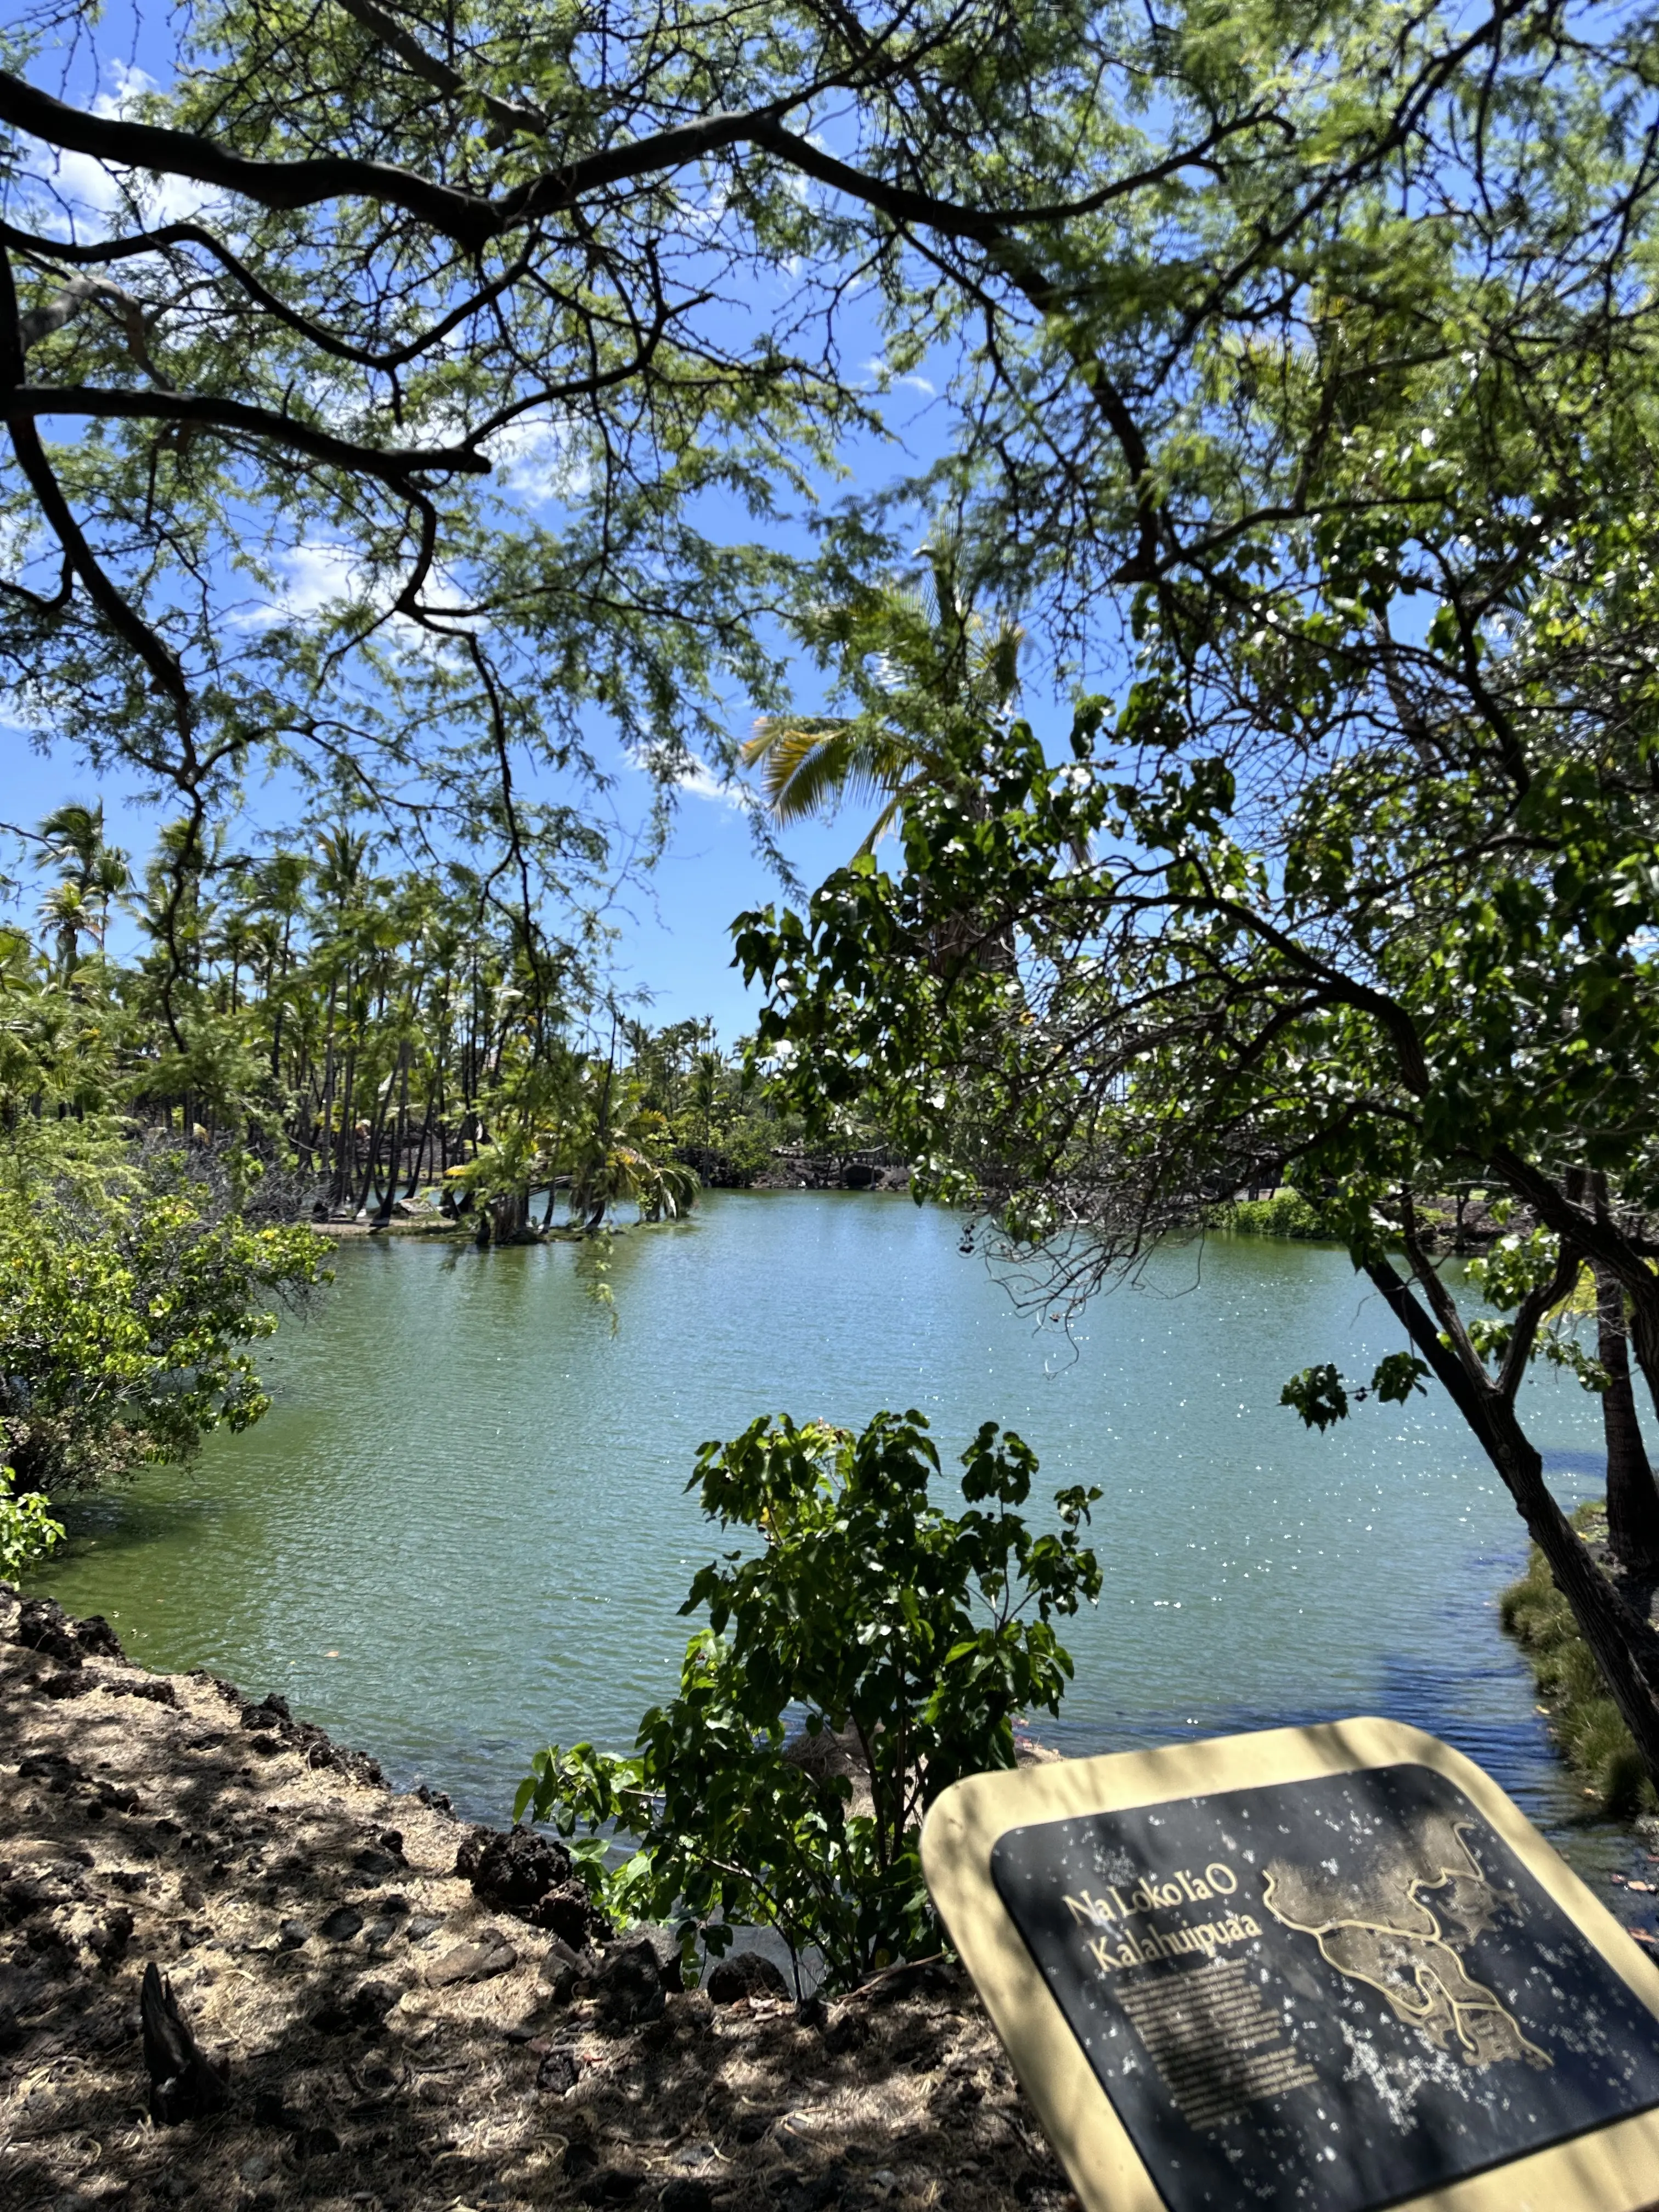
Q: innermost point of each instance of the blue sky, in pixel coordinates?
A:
(674, 922)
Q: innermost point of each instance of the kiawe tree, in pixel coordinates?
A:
(1372, 833)
(1243, 323)
(361, 271)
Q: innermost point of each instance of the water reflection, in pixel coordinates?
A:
(463, 1529)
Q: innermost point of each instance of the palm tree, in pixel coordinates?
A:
(73, 836)
(927, 671)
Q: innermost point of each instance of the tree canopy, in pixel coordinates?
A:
(350, 274)
(1356, 885)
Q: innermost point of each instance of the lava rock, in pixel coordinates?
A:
(629, 1983)
(686, 2195)
(19, 1899)
(569, 1912)
(745, 1975)
(44, 1626)
(367, 2007)
(341, 1924)
(94, 1634)
(270, 2111)
(262, 1716)
(564, 1970)
(109, 1940)
(472, 1962)
(158, 1692)
(512, 1872)
(615, 2185)
(558, 2074)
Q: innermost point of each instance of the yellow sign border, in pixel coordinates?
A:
(1613, 2168)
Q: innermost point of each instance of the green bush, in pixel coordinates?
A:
(128, 1304)
(1286, 1213)
(1589, 1730)
(867, 1609)
(27, 1531)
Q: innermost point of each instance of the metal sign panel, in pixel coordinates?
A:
(1331, 1968)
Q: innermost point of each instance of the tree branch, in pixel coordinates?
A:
(192, 234)
(23, 402)
(162, 662)
(509, 116)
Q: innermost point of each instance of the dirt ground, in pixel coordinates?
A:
(390, 2042)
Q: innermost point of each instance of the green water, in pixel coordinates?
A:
(462, 1530)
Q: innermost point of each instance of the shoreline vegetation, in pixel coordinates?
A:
(1584, 1723)
(385, 2012)
(1456, 1222)
(420, 1214)
(1284, 1213)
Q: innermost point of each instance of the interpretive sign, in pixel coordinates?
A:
(1328, 1968)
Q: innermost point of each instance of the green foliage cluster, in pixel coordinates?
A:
(1319, 901)
(1321, 1397)
(369, 1031)
(1586, 1723)
(27, 1531)
(131, 1290)
(1286, 1213)
(868, 1615)
(141, 1255)
(712, 1110)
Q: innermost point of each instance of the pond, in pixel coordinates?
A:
(462, 1531)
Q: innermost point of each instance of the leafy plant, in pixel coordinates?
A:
(27, 1531)
(126, 1313)
(1286, 1213)
(870, 1619)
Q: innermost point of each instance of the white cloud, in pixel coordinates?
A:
(89, 191)
(882, 372)
(536, 458)
(700, 781)
(315, 572)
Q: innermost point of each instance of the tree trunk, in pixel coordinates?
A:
(1622, 1642)
(346, 1169)
(323, 1148)
(421, 1144)
(508, 1212)
(377, 1130)
(1633, 1497)
(400, 1124)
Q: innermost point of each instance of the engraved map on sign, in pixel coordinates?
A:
(1397, 1919)
(1331, 1994)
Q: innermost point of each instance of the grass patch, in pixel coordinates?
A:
(1583, 1720)
(1286, 1213)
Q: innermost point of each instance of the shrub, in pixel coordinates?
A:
(1587, 1725)
(1286, 1213)
(127, 1307)
(27, 1532)
(867, 1610)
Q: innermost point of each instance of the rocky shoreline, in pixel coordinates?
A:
(403, 2013)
